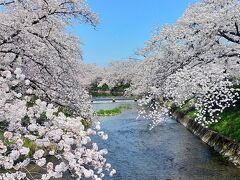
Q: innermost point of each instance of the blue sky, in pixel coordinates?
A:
(125, 26)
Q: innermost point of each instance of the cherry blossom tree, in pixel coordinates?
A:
(120, 72)
(35, 131)
(89, 74)
(33, 37)
(197, 57)
(40, 76)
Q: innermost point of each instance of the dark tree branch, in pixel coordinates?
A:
(222, 34)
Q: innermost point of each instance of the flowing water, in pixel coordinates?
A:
(168, 152)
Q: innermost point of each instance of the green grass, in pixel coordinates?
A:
(5, 141)
(26, 143)
(31, 145)
(111, 112)
(229, 125)
(187, 110)
(191, 114)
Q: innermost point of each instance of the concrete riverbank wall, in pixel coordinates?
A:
(228, 148)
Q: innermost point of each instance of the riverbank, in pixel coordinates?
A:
(228, 148)
(112, 112)
(229, 124)
(170, 151)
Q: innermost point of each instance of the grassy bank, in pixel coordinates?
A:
(228, 125)
(185, 110)
(111, 112)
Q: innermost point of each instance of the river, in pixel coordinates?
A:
(168, 152)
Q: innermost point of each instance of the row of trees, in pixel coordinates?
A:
(197, 58)
(44, 105)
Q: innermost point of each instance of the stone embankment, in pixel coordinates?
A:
(228, 148)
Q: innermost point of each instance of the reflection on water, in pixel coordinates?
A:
(168, 152)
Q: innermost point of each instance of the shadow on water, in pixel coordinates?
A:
(168, 152)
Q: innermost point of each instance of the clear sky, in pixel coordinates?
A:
(125, 26)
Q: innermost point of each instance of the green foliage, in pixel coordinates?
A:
(119, 89)
(31, 145)
(26, 143)
(112, 112)
(95, 87)
(169, 104)
(187, 109)
(104, 87)
(25, 121)
(32, 101)
(5, 141)
(191, 114)
(66, 111)
(1, 135)
(86, 123)
(229, 125)
(106, 91)
(42, 119)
